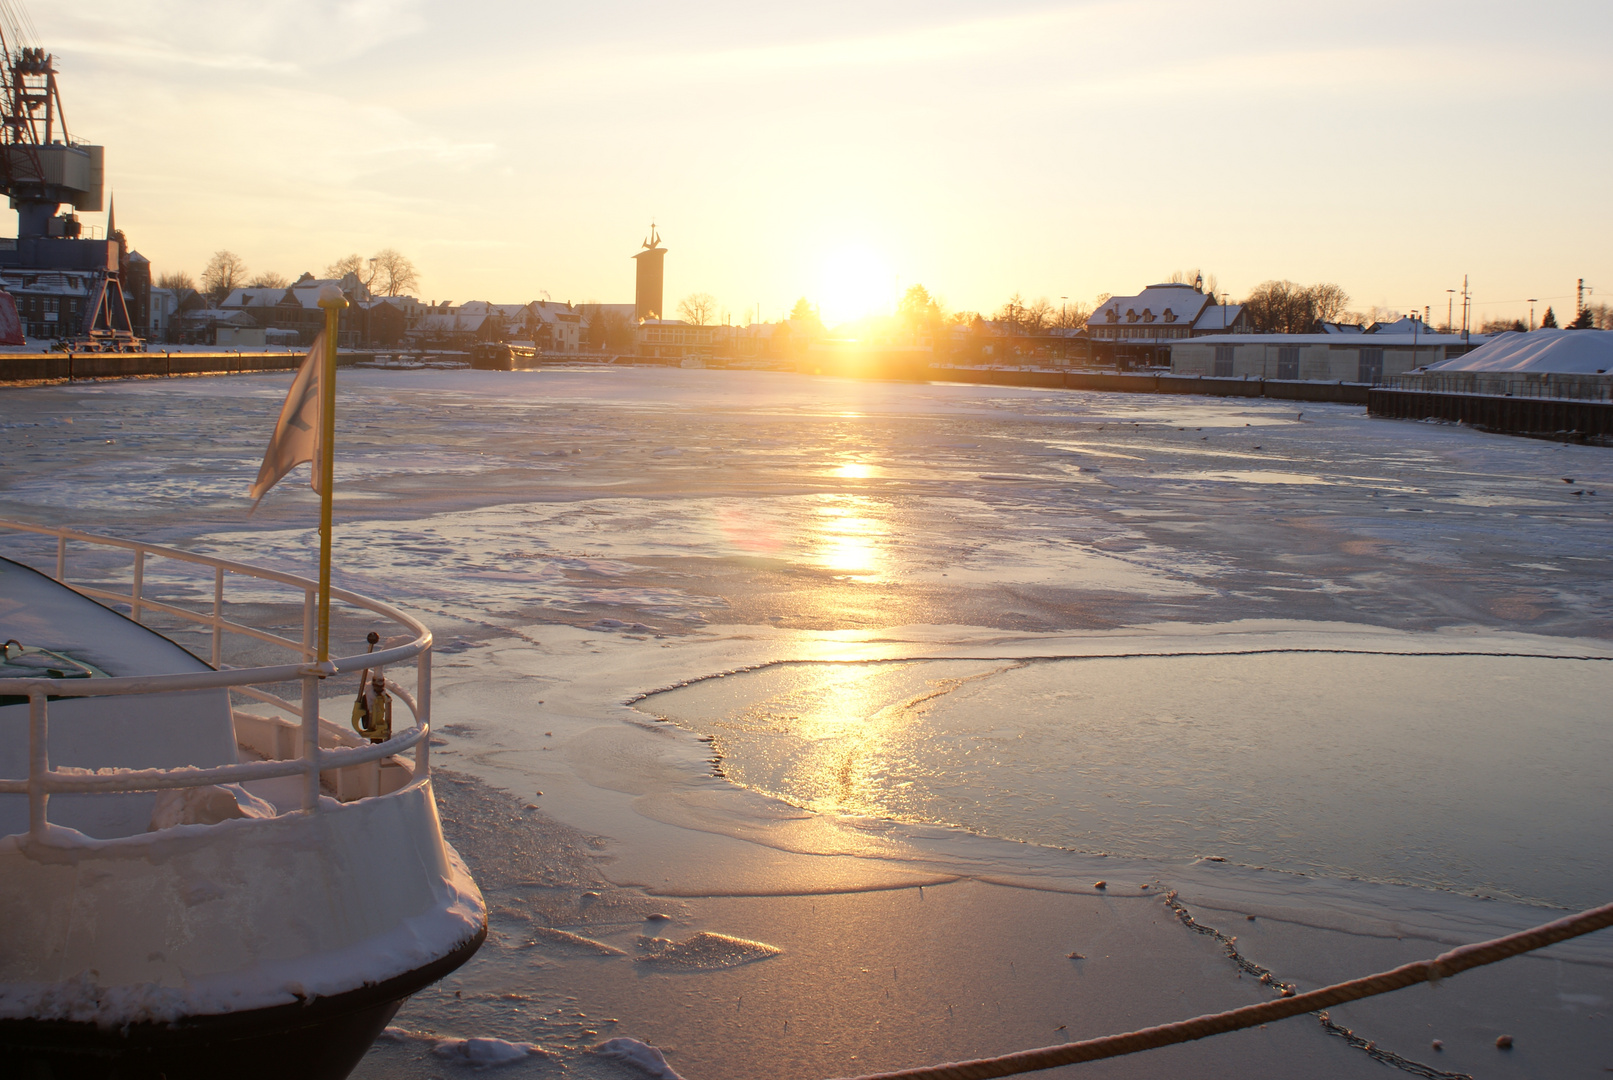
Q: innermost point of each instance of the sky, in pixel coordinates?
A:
(844, 151)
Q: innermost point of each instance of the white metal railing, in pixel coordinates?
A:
(43, 780)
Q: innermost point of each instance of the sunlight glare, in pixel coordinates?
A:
(854, 281)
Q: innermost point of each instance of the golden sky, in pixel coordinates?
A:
(844, 151)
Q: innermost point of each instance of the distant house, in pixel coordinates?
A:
(557, 327)
(382, 325)
(51, 303)
(455, 330)
(297, 307)
(216, 326)
(1163, 314)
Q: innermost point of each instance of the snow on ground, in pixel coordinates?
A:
(579, 539)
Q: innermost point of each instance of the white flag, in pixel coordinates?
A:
(296, 435)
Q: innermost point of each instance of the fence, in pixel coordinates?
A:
(43, 780)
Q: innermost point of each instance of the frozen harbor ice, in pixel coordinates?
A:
(935, 603)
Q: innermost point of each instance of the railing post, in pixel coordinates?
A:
(310, 742)
(38, 761)
(139, 583)
(61, 558)
(422, 697)
(308, 611)
(218, 614)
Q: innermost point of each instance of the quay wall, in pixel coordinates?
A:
(66, 367)
(1148, 383)
(1540, 416)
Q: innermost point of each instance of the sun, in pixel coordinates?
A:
(854, 281)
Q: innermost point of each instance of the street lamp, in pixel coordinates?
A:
(1450, 309)
(1532, 301)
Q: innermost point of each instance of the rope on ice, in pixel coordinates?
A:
(1291, 1004)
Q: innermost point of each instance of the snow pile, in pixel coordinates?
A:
(476, 1053)
(1569, 352)
(206, 806)
(643, 1055)
(704, 951)
(484, 1052)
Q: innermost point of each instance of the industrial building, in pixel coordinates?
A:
(1329, 357)
(64, 284)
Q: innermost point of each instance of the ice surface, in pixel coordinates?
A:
(1304, 762)
(812, 521)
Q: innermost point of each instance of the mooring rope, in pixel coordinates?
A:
(1290, 1004)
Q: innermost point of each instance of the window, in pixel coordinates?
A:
(1288, 362)
(1223, 361)
(1369, 368)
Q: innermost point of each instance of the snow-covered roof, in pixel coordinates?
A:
(1167, 303)
(440, 323)
(485, 307)
(553, 311)
(1582, 352)
(253, 298)
(1343, 328)
(1403, 325)
(1217, 316)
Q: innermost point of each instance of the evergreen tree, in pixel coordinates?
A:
(1548, 321)
(1583, 322)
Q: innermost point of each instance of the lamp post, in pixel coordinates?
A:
(1450, 308)
(1532, 301)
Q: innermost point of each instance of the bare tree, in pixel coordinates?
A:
(1282, 307)
(699, 308)
(269, 280)
(224, 273)
(1039, 314)
(1328, 302)
(1012, 312)
(350, 264)
(394, 274)
(1071, 316)
(179, 279)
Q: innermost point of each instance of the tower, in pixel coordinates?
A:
(651, 278)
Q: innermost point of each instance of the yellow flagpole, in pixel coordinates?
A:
(332, 300)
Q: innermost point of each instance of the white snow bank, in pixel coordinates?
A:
(1575, 352)
(484, 1051)
(643, 1055)
(478, 1052)
(207, 806)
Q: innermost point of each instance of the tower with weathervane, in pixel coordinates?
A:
(651, 278)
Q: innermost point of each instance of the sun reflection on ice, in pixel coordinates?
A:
(848, 537)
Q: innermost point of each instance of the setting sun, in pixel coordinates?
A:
(854, 281)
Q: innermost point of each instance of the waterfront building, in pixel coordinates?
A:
(1330, 357)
